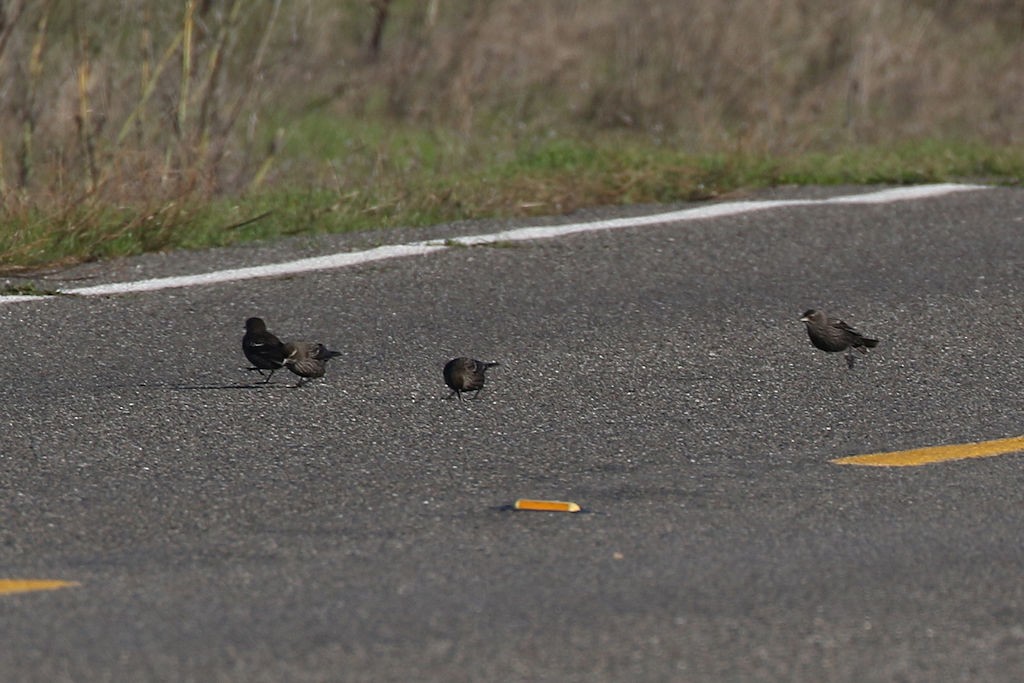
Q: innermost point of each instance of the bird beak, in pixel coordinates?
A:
(805, 319)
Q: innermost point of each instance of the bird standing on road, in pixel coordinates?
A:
(833, 335)
(307, 359)
(465, 374)
(262, 348)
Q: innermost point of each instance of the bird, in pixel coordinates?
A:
(833, 335)
(307, 359)
(262, 348)
(465, 374)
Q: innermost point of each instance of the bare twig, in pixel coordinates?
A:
(186, 65)
(268, 161)
(214, 65)
(247, 221)
(149, 85)
(8, 20)
(247, 89)
(3, 176)
(381, 9)
(29, 115)
(83, 119)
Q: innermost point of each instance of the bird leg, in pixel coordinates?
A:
(260, 370)
(850, 359)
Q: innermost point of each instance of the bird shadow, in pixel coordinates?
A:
(200, 387)
(210, 387)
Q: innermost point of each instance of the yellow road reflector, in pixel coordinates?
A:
(925, 456)
(29, 585)
(546, 505)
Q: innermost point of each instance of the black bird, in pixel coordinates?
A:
(465, 374)
(307, 359)
(833, 335)
(263, 349)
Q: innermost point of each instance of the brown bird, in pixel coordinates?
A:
(307, 359)
(833, 335)
(465, 374)
(262, 348)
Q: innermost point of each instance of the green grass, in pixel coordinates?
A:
(26, 289)
(191, 125)
(338, 176)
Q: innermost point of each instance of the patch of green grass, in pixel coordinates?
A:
(343, 175)
(26, 289)
(925, 161)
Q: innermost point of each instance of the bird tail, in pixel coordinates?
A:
(863, 344)
(324, 353)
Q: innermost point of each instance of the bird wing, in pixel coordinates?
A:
(307, 367)
(263, 348)
(297, 350)
(836, 322)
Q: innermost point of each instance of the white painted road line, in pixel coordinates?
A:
(345, 259)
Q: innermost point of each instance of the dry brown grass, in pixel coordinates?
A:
(775, 74)
(168, 98)
(131, 112)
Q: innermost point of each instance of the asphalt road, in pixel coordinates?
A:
(353, 530)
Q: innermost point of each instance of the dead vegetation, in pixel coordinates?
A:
(117, 119)
(776, 74)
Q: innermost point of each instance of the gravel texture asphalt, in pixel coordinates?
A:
(356, 529)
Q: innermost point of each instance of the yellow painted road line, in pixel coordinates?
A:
(924, 456)
(28, 585)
